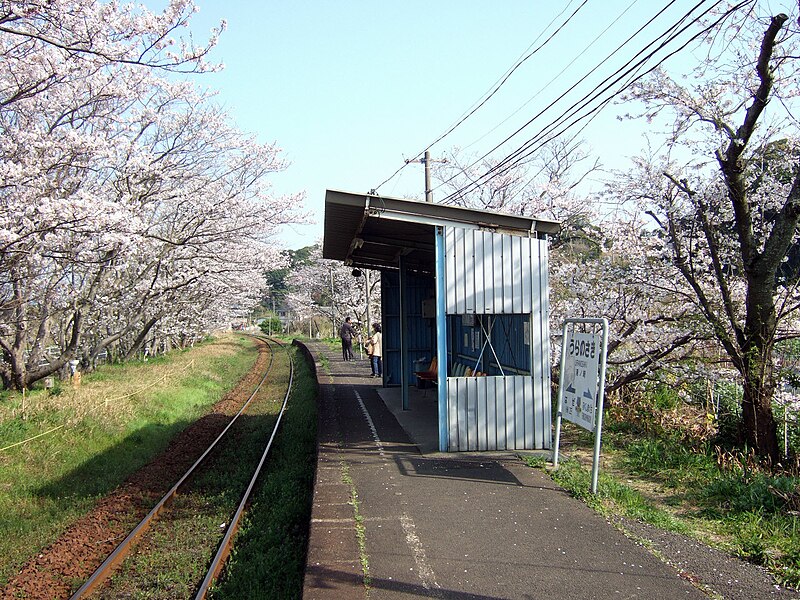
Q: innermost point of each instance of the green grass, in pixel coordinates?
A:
(750, 509)
(268, 560)
(361, 530)
(175, 555)
(669, 460)
(612, 497)
(47, 483)
(333, 344)
(680, 487)
(325, 363)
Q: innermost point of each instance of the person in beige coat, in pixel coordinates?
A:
(376, 341)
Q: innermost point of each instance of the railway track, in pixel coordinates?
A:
(217, 547)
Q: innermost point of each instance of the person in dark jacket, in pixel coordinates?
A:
(347, 333)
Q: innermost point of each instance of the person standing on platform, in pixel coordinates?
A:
(368, 350)
(377, 351)
(347, 333)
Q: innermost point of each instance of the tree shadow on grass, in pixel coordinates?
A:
(149, 460)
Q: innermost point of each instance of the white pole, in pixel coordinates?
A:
(560, 392)
(601, 392)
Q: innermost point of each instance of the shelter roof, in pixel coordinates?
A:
(372, 232)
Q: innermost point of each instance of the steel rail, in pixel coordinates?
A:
(123, 548)
(227, 541)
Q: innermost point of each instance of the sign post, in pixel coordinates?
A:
(581, 383)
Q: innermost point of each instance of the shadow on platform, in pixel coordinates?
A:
(421, 420)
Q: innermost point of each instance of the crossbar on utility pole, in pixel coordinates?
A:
(426, 160)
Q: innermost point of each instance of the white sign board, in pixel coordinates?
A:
(579, 400)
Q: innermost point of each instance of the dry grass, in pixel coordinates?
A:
(75, 444)
(112, 393)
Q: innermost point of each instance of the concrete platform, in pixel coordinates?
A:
(421, 420)
(395, 519)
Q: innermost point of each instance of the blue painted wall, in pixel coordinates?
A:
(421, 334)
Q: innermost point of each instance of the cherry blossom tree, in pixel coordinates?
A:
(543, 185)
(328, 289)
(48, 44)
(654, 327)
(602, 263)
(130, 207)
(728, 230)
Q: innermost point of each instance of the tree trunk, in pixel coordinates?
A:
(139, 341)
(18, 377)
(759, 427)
(758, 424)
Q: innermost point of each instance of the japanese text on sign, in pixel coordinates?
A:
(580, 379)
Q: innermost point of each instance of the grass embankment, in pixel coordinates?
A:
(268, 560)
(174, 556)
(114, 423)
(719, 498)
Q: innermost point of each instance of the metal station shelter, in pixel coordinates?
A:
(464, 291)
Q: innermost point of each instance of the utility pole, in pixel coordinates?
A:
(426, 160)
(428, 193)
(333, 310)
(366, 285)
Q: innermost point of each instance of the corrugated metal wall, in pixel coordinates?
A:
(490, 273)
(495, 413)
(504, 276)
(420, 330)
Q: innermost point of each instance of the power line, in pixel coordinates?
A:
(493, 90)
(567, 66)
(508, 75)
(591, 71)
(558, 127)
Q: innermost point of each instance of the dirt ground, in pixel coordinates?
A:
(84, 546)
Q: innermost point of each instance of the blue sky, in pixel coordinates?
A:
(350, 89)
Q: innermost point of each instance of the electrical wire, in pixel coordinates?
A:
(591, 71)
(557, 75)
(506, 78)
(495, 88)
(558, 127)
